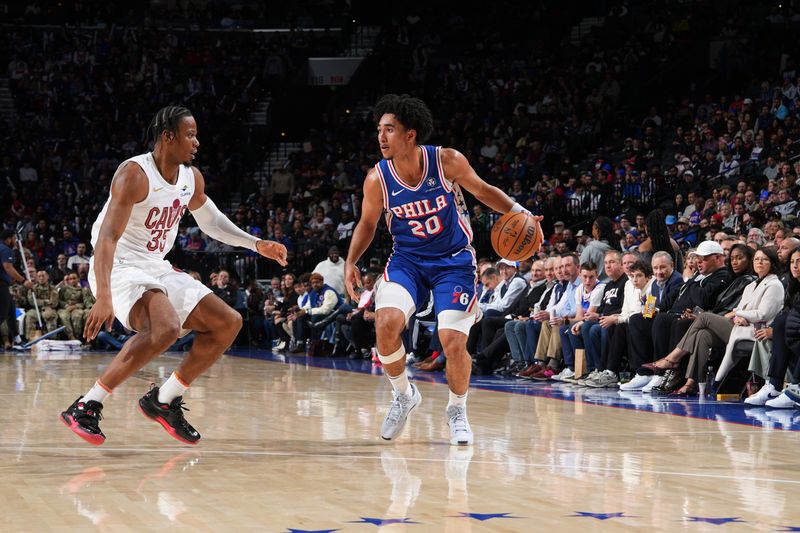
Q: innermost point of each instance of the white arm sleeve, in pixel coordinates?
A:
(216, 225)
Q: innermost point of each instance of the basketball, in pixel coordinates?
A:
(516, 236)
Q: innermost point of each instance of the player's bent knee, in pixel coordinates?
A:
(234, 320)
(396, 301)
(165, 334)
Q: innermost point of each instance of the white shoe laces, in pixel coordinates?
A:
(458, 419)
(398, 406)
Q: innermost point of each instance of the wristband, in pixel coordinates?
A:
(517, 208)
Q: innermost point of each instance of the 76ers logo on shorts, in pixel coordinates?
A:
(459, 296)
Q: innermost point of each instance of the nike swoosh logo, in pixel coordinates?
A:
(156, 190)
(395, 193)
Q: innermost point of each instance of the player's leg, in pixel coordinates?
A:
(456, 305)
(157, 326)
(215, 326)
(394, 304)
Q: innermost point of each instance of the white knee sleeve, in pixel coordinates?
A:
(391, 294)
(393, 357)
(457, 320)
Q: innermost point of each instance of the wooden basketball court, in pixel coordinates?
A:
(288, 446)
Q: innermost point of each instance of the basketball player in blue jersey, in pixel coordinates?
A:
(418, 190)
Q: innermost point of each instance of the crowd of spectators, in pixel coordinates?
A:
(568, 131)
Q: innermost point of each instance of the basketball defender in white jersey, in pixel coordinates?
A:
(131, 280)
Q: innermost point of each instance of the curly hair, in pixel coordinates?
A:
(411, 112)
(167, 119)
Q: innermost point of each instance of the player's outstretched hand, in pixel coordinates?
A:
(352, 280)
(102, 313)
(272, 250)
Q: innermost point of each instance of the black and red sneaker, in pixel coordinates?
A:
(170, 416)
(83, 418)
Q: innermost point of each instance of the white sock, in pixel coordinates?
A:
(171, 389)
(98, 393)
(400, 383)
(459, 400)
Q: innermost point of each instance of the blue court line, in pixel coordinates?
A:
(705, 409)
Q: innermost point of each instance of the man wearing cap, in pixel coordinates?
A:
(508, 290)
(684, 233)
(700, 291)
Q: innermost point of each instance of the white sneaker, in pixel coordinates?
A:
(281, 346)
(636, 383)
(564, 375)
(655, 381)
(460, 432)
(792, 391)
(400, 408)
(585, 381)
(767, 392)
(781, 402)
(606, 378)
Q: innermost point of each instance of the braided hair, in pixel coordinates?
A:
(167, 119)
(411, 112)
(659, 233)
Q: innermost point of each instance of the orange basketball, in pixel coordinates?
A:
(516, 236)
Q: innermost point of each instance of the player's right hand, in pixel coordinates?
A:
(352, 280)
(102, 313)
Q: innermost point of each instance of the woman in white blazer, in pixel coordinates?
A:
(761, 302)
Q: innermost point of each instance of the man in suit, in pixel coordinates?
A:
(701, 290)
(665, 289)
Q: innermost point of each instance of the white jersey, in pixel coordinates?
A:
(153, 225)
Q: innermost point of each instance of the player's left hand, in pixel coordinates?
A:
(272, 250)
(352, 280)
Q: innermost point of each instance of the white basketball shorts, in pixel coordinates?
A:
(129, 281)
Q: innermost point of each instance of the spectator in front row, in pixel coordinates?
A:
(542, 279)
(761, 302)
(594, 329)
(322, 303)
(74, 302)
(741, 275)
(497, 344)
(588, 297)
(45, 296)
(548, 347)
(358, 326)
(783, 354)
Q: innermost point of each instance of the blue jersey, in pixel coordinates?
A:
(429, 220)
